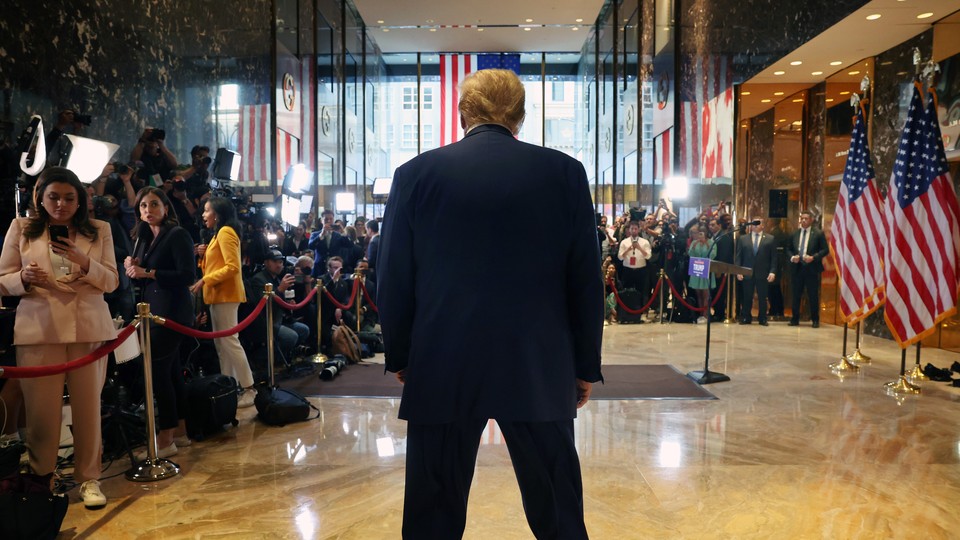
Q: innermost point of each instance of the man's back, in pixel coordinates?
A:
(476, 338)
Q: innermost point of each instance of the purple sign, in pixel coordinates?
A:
(699, 267)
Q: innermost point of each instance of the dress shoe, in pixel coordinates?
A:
(764, 323)
(91, 495)
(816, 324)
(937, 374)
(956, 382)
(793, 323)
(955, 367)
(743, 321)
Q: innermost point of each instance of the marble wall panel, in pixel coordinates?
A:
(753, 194)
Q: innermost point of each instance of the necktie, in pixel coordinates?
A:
(803, 243)
(756, 243)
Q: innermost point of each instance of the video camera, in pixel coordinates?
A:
(332, 367)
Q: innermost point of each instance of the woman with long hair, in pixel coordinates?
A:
(162, 262)
(222, 287)
(702, 247)
(60, 262)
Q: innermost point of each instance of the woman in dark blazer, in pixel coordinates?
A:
(162, 262)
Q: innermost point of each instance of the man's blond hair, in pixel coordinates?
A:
(493, 96)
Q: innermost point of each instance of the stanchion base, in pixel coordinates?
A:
(318, 358)
(901, 386)
(859, 358)
(729, 321)
(843, 365)
(707, 377)
(151, 471)
(916, 374)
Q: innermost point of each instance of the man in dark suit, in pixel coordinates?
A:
(328, 243)
(461, 340)
(722, 235)
(757, 251)
(806, 250)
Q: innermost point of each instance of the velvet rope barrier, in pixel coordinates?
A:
(366, 295)
(678, 296)
(642, 310)
(13, 372)
(186, 330)
(353, 296)
(293, 307)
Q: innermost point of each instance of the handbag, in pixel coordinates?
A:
(28, 509)
(347, 343)
(279, 407)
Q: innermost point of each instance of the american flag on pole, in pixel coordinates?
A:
(924, 235)
(856, 235)
(253, 143)
(453, 69)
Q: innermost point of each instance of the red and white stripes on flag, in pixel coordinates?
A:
(453, 69)
(288, 152)
(857, 231)
(253, 143)
(308, 119)
(706, 119)
(921, 263)
(663, 155)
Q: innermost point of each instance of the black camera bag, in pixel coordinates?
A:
(279, 407)
(212, 404)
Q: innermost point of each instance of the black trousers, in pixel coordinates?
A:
(805, 278)
(441, 459)
(761, 286)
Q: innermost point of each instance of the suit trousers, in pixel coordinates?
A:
(805, 278)
(43, 401)
(761, 286)
(233, 359)
(441, 459)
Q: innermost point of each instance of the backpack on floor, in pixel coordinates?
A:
(211, 405)
(279, 407)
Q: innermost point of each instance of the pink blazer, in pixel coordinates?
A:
(68, 310)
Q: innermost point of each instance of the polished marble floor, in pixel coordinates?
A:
(788, 451)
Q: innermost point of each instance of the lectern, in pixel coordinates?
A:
(703, 268)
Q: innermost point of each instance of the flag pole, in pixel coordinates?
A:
(901, 385)
(844, 366)
(858, 357)
(916, 374)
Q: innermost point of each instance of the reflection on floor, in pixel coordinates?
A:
(787, 451)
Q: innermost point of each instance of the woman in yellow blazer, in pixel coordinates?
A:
(61, 283)
(222, 286)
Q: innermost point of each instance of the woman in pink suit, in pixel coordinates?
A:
(61, 316)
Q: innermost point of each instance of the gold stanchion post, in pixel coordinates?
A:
(152, 468)
(916, 374)
(730, 288)
(359, 277)
(319, 357)
(663, 288)
(858, 357)
(844, 365)
(268, 294)
(901, 385)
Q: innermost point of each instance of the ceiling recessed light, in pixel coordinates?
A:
(854, 72)
(783, 119)
(479, 29)
(745, 93)
(778, 93)
(429, 21)
(433, 29)
(779, 72)
(798, 100)
(380, 22)
(815, 73)
(526, 29)
(575, 28)
(579, 20)
(764, 101)
(386, 29)
(798, 122)
(873, 17)
(529, 20)
(796, 63)
(845, 93)
(926, 15)
(835, 63)
(830, 99)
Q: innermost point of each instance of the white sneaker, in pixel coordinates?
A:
(701, 320)
(91, 495)
(182, 441)
(246, 398)
(162, 453)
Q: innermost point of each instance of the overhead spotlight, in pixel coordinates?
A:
(873, 17)
(815, 73)
(796, 63)
(778, 93)
(779, 72)
(836, 63)
(926, 15)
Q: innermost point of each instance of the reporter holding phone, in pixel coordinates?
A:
(162, 262)
(222, 286)
(61, 283)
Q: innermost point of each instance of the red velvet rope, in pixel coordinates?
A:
(678, 296)
(186, 330)
(367, 296)
(293, 307)
(20, 372)
(642, 310)
(723, 283)
(353, 295)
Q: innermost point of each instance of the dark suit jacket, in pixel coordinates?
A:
(340, 246)
(765, 260)
(475, 341)
(171, 255)
(816, 248)
(724, 242)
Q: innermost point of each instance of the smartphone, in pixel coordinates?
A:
(57, 232)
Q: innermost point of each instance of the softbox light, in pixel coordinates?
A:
(87, 157)
(381, 186)
(297, 180)
(345, 202)
(227, 165)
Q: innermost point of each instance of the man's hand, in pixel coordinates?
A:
(739, 277)
(402, 376)
(285, 283)
(583, 391)
(770, 277)
(808, 259)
